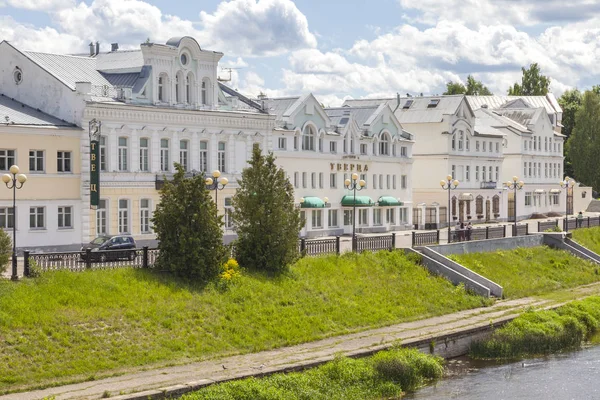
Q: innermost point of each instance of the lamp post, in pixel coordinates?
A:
(354, 185)
(449, 184)
(216, 184)
(14, 182)
(515, 185)
(567, 184)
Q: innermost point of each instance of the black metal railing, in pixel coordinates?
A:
(82, 260)
(547, 225)
(319, 246)
(375, 243)
(425, 238)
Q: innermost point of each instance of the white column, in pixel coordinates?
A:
(174, 150)
(155, 150)
(112, 138)
(195, 152)
(134, 158)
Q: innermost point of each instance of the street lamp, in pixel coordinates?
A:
(567, 184)
(354, 185)
(11, 183)
(515, 185)
(216, 184)
(449, 184)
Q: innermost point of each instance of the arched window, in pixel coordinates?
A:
(189, 88)
(461, 138)
(308, 138)
(479, 205)
(453, 206)
(496, 204)
(384, 145)
(206, 87)
(177, 91)
(453, 142)
(180, 88)
(163, 84)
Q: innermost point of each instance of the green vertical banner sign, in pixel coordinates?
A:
(95, 132)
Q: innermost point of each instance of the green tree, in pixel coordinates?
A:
(473, 88)
(533, 83)
(570, 102)
(585, 140)
(188, 228)
(266, 218)
(5, 250)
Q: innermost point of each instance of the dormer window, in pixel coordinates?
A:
(407, 104)
(384, 145)
(163, 93)
(433, 103)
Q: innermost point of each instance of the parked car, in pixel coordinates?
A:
(111, 247)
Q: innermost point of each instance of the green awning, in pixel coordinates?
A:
(361, 201)
(389, 201)
(312, 202)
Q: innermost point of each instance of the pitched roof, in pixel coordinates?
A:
(523, 116)
(13, 112)
(360, 114)
(69, 69)
(548, 102)
(279, 106)
(251, 103)
(120, 60)
(489, 123)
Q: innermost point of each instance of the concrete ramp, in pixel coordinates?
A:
(557, 241)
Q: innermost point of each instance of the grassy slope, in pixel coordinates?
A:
(530, 271)
(588, 237)
(71, 326)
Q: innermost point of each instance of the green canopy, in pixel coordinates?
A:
(361, 201)
(389, 201)
(312, 202)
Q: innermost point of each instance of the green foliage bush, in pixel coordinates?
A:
(542, 332)
(384, 376)
(266, 218)
(188, 229)
(5, 250)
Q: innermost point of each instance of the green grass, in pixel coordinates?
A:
(588, 237)
(384, 376)
(531, 271)
(543, 332)
(66, 327)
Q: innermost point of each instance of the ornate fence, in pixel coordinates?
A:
(425, 238)
(374, 243)
(82, 260)
(319, 246)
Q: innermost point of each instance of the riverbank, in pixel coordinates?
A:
(443, 333)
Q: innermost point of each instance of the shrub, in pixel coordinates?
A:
(5, 250)
(407, 367)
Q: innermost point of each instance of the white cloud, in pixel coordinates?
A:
(39, 5)
(257, 28)
(28, 37)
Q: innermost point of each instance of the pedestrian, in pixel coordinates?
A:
(461, 233)
(469, 229)
(579, 219)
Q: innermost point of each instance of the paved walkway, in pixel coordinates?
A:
(184, 378)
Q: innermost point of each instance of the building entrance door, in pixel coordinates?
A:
(416, 217)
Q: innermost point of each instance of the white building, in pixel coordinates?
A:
(321, 148)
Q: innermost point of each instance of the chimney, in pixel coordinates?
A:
(114, 46)
(97, 48)
(91, 49)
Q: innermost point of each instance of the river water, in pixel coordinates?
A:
(569, 376)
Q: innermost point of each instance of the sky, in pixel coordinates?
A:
(336, 49)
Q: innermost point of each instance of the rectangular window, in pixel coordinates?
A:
(483, 174)
(183, 154)
(332, 218)
(528, 198)
(390, 216)
(36, 161)
(144, 154)
(103, 164)
(497, 147)
(374, 181)
(477, 145)
(333, 180)
(204, 156)
(144, 216)
(484, 146)
(321, 145)
(7, 159)
(122, 154)
(295, 142)
(164, 155)
(281, 143)
(228, 211)
(393, 181)
(123, 216)
(347, 217)
(491, 148)
(7, 217)
(317, 218)
(37, 217)
(65, 217)
(377, 217)
(477, 173)
(468, 173)
(388, 181)
(490, 172)
(101, 221)
(403, 182)
(63, 161)
(403, 151)
(320, 180)
(525, 169)
(296, 180)
(221, 157)
(333, 147)
(454, 172)
(497, 174)
(313, 180)
(363, 149)
(304, 182)
(380, 181)
(529, 174)
(363, 217)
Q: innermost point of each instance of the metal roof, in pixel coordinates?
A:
(359, 114)
(126, 80)
(21, 114)
(548, 102)
(69, 69)
(280, 105)
(119, 60)
(487, 123)
(251, 103)
(523, 116)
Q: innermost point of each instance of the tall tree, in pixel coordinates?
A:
(585, 140)
(188, 228)
(570, 102)
(473, 88)
(266, 218)
(533, 83)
